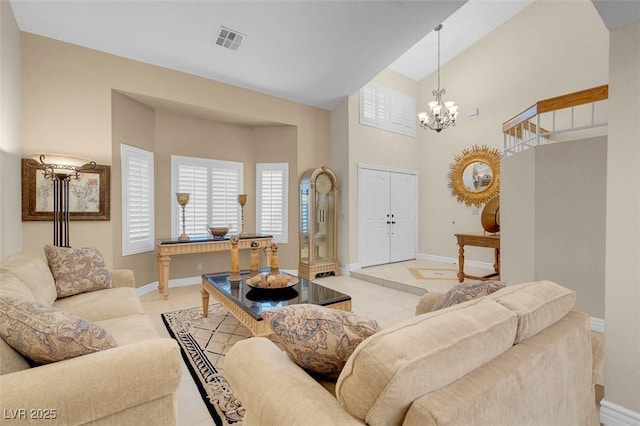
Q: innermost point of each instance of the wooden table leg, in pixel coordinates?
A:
(461, 262)
(496, 265)
(205, 302)
(163, 275)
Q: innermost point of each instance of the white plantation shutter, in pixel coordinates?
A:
(137, 200)
(225, 185)
(213, 186)
(387, 109)
(272, 183)
(193, 179)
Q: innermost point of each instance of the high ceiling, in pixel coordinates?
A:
(312, 52)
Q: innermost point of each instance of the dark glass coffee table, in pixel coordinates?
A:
(246, 303)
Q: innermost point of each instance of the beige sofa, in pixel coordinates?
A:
(519, 356)
(132, 384)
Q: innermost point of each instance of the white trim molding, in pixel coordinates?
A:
(452, 260)
(435, 258)
(179, 282)
(345, 269)
(616, 415)
(597, 324)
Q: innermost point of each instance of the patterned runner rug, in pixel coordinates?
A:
(204, 343)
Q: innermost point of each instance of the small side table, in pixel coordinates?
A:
(478, 240)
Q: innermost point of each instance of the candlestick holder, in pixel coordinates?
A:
(183, 199)
(242, 200)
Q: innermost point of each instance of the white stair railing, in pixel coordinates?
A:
(547, 120)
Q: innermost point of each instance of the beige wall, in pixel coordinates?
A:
(517, 207)
(549, 49)
(622, 356)
(67, 107)
(372, 146)
(502, 74)
(167, 133)
(340, 122)
(277, 144)
(132, 124)
(553, 213)
(10, 133)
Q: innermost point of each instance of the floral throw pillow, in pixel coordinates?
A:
(46, 334)
(317, 338)
(77, 270)
(467, 291)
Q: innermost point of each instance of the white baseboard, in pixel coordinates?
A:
(434, 258)
(347, 268)
(597, 324)
(453, 260)
(180, 282)
(616, 415)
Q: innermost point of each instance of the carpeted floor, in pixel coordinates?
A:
(204, 343)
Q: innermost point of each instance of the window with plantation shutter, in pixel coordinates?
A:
(272, 183)
(137, 200)
(213, 187)
(387, 109)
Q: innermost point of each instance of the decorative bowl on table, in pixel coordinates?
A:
(283, 295)
(218, 231)
(271, 281)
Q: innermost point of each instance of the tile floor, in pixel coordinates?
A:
(390, 294)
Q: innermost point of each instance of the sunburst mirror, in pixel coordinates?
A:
(474, 175)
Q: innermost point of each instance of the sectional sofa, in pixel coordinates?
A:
(132, 383)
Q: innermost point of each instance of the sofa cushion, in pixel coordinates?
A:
(10, 285)
(11, 361)
(395, 366)
(77, 270)
(538, 305)
(463, 292)
(34, 272)
(102, 304)
(129, 329)
(45, 334)
(317, 338)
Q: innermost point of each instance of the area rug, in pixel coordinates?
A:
(204, 343)
(434, 273)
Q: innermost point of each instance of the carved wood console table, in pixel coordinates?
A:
(171, 247)
(478, 240)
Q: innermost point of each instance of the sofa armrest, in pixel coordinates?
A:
(90, 387)
(427, 301)
(123, 278)
(275, 391)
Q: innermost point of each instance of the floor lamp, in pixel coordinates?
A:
(61, 169)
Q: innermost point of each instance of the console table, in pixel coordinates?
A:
(478, 240)
(166, 248)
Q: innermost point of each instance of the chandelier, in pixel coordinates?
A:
(440, 114)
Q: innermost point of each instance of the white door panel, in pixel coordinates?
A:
(387, 216)
(372, 212)
(403, 220)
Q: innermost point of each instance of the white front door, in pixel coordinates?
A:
(373, 213)
(387, 216)
(403, 217)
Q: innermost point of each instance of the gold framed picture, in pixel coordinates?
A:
(89, 195)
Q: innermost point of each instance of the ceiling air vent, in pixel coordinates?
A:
(229, 38)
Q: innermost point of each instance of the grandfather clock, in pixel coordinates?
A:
(318, 223)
